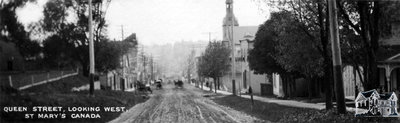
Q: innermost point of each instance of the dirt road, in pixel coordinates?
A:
(181, 105)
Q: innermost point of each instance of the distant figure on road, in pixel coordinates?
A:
(148, 88)
(143, 87)
(179, 84)
(159, 84)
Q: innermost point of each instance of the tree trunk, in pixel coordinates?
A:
(284, 82)
(293, 89)
(355, 83)
(218, 82)
(210, 85)
(370, 37)
(201, 82)
(310, 90)
(290, 86)
(324, 32)
(215, 84)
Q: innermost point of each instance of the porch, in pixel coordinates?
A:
(389, 74)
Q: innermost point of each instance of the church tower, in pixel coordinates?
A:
(229, 19)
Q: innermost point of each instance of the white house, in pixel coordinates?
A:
(384, 105)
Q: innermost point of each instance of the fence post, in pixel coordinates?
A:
(32, 80)
(48, 76)
(10, 80)
(62, 75)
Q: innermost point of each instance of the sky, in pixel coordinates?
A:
(165, 21)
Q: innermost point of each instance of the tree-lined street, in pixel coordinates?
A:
(278, 61)
(182, 105)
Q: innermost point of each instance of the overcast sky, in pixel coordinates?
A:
(166, 21)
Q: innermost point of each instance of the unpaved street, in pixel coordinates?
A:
(181, 105)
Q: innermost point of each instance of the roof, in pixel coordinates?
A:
(394, 58)
(385, 96)
(388, 96)
(132, 38)
(360, 97)
(241, 32)
(369, 93)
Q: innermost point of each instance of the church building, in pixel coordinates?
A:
(242, 37)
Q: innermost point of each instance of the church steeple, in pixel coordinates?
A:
(229, 19)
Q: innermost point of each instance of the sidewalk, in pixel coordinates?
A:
(291, 103)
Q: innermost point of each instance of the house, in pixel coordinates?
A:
(384, 105)
(260, 83)
(389, 73)
(388, 65)
(123, 78)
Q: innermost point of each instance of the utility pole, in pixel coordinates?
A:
(151, 67)
(91, 51)
(337, 61)
(122, 32)
(209, 35)
(233, 55)
(145, 77)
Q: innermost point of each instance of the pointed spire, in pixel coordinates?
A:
(229, 17)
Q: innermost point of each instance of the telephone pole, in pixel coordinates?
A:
(122, 32)
(337, 61)
(91, 51)
(209, 35)
(233, 56)
(151, 67)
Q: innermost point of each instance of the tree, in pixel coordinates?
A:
(315, 28)
(261, 57)
(369, 21)
(73, 33)
(361, 25)
(281, 44)
(11, 30)
(109, 54)
(214, 61)
(190, 68)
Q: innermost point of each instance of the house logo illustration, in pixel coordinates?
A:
(372, 104)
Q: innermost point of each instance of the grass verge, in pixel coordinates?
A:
(278, 113)
(59, 94)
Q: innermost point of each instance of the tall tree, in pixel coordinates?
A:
(11, 30)
(370, 21)
(109, 54)
(73, 33)
(312, 14)
(214, 62)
